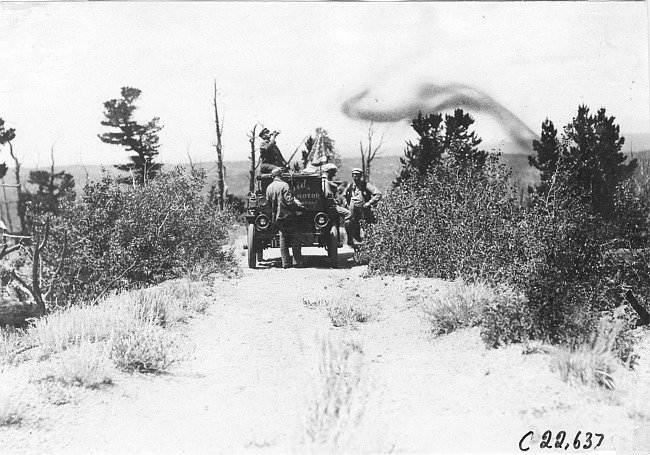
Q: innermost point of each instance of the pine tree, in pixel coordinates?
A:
(548, 153)
(440, 137)
(52, 188)
(590, 152)
(419, 157)
(460, 143)
(142, 139)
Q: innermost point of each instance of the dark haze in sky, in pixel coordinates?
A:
(432, 98)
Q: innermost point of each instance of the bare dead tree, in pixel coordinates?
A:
(219, 147)
(19, 188)
(189, 158)
(36, 287)
(369, 152)
(251, 178)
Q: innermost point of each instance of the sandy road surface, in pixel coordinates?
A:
(247, 383)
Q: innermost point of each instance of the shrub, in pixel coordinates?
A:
(506, 320)
(458, 305)
(453, 223)
(124, 236)
(146, 348)
(593, 363)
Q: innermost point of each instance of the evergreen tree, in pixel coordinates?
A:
(450, 137)
(591, 154)
(419, 157)
(52, 188)
(548, 153)
(460, 143)
(142, 139)
(6, 136)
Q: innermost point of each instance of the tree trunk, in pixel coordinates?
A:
(21, 200)
(218, 146)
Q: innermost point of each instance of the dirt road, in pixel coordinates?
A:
(250, 379)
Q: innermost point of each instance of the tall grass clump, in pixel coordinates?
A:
(12, 341)
(347, 312)
(86, 365)
(146, 348)
(121, 313)
(341, 415)
(461, 304)
(592, 363)
(12, 409)
(123, 236)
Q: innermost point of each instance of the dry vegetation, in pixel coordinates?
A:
(85, 346)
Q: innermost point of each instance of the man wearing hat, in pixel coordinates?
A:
(332, 190)
(360, 196)
(270, 155)
(283, 216)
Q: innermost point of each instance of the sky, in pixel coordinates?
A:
(294, 67)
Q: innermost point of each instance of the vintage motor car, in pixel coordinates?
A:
(318, 224)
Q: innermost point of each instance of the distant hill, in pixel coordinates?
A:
(384, 170)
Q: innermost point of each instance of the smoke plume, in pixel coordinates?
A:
(431, 98)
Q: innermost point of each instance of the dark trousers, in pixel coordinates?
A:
(266, 168)
(289, 236)
(353, 225)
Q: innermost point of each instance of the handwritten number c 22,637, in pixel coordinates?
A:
(547, 441)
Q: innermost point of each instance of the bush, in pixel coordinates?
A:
(506, 320)
(146, 348)
(455, 223)
(123, 236)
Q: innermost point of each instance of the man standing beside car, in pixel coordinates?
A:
(283, 216)
(361, 196)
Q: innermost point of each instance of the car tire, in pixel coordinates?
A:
(332, 246)
(251, 253)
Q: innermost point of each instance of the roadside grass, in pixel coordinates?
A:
(458, 305)
(342, 414)
(126, 328)
(119, 313)
(146, 348)
(344, 311)
(12, 408)
(11, 342)
(86, 365)
(593, 363)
